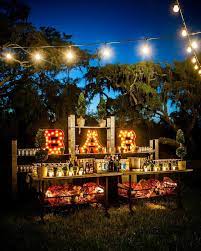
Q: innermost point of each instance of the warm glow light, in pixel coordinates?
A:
(54, 143)
(127, 140)
(189, 49)
(199, 71)
(145, 50)
(9, 56)
(193, 60)
(196, 67)
(184, 33)
(92, 144)
(37, 57)
(70, 55)
(106, 52)
(194, 45)
(176, 8)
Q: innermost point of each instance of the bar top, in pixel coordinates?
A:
(112, 174)
(156, 172)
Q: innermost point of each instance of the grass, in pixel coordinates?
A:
(154, 226)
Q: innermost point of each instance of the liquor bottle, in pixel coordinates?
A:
(111, 164)
(87, 167)
(116, 163)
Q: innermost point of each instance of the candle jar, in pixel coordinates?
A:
(155, 168)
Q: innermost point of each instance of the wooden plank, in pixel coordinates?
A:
(155, 172)
(94, 175)
(71, 134)
(112, 134)
(108, 135)
(92, 127)
(14, 169)
(156, 148)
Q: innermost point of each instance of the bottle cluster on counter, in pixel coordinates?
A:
(160, 165)
(112, 163)
(78, 167)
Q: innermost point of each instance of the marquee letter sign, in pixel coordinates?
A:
(127, 140)
(92, 144)
(54, 141)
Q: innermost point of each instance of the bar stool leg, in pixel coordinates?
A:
(106, 198)
(129, 196)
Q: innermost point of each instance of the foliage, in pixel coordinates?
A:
(144, 95)
(181, 152)
(40, 139)
(102, 112)
(180, 137)
(81, 108)
(153, 226)
(41, 155)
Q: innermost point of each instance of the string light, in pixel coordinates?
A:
(193, 60)
(70, 55)
(189, 49)
(184, 33)
(37, 57)
(9, 56)
(199, 71)
(196, 67)
(106, 52)
(194, 45)
(176, 8)
(145, 50)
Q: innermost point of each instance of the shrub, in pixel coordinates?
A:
(181, 150)
(81, 109)
(41, 155)
(180, 137)
(102, 112)
(40, 139)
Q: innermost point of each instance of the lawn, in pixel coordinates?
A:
(154, 226)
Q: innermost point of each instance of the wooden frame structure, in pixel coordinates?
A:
(110, 134)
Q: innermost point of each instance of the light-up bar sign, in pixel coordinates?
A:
(54, 141)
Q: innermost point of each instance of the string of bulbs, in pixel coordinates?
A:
(192, 45)
(105, 50)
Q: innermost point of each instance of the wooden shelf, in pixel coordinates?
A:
(111, 174)
(155, 172)
(93, 175)
(92, 127)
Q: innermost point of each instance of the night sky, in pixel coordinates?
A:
(106, 20)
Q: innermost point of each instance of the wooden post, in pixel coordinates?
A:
(156, 149)
(108, 135)
(112, 134)
(71, 134)
(151, 145)
(14, 169)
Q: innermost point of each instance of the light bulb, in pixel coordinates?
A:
(9, 56)
(70, 55)
(193, 60)
(184, 33)
(196, 67)
(106, 52)
(176, 8)
(199, 71)
(145, 50)
(189, 49)
(194, 45)
(37, 57)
